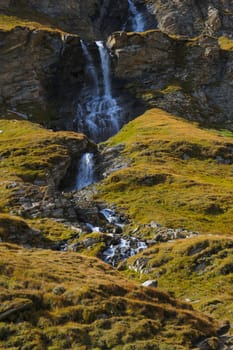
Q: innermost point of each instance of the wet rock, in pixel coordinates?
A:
(122, 248)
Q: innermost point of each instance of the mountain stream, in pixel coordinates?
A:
(99, 116)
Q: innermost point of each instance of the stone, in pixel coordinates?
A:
(150, 283)
(59, 290)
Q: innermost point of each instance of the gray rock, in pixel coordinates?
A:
(195, 65)
(150, 283)
(59, 290)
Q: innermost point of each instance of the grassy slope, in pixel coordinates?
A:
(175, 176)
(71, 301)
(199, 269)
(30, 153)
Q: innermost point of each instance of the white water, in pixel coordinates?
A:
(90, 71)
(136, 18)
(111, 217)
(85, 174)
(98, 112)
(125, 248)
(105, 66)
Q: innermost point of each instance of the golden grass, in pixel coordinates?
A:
(197, 269)
(68, 300)
(177, 175)
(29, 153)
(225, 43)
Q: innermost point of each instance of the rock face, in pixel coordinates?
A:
(189, 77)
(45, 70)
(90, 19)
(26, 59)
(36, 67)
(193, 17)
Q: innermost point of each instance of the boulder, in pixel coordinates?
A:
(150, 283)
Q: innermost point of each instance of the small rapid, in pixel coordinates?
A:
(121, 247)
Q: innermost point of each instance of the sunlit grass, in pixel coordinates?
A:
(179, 175)
(68, 300)
(197, 269)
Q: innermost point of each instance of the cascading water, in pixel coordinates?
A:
(136, 18)
(85, 175)
(98, 111)
(90, 71)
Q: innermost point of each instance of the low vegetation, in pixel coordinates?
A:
(198, 270)
(57, 300)
(179, 175)
(29, 154)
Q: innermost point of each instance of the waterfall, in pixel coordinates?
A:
(105, 67)
(90, 70)
(97, 111)
(136, 18)
(85, 175)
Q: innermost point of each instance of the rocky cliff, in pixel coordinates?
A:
(30, 70)
(90, 19)
(193, 17)
(188, 77)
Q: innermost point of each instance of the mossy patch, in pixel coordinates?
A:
(225, 43)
